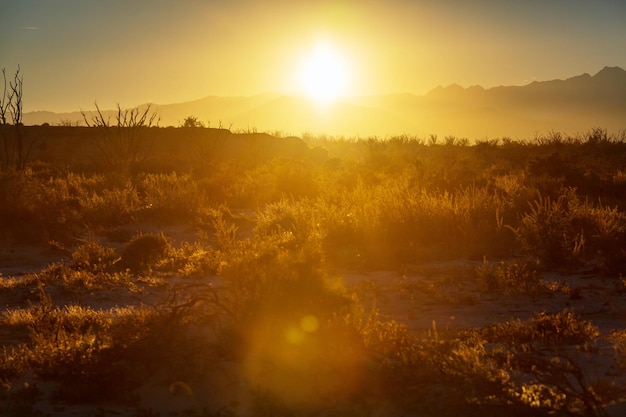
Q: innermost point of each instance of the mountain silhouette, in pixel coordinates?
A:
(608, 84)
(574, 105)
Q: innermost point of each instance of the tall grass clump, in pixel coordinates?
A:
(38, 208)
(395, 220)
(170, 197)
(570, 232)
(272, 181)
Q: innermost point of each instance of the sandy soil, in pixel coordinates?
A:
(428, 299)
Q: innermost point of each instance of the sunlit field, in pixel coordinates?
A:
(312, 208)
(191, 271)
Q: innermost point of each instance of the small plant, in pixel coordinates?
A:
(143, 251)
(192, 121)
(544, 329)
(192, 259)
(516, 277)
(93, 257)
(618, 340)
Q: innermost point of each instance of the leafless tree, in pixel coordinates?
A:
(120, 142)
(15, 150)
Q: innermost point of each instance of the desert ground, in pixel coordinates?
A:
(196, 272)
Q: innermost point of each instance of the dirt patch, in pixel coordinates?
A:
(429, 299)
(449, 297)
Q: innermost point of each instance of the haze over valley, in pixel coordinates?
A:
(571, 106)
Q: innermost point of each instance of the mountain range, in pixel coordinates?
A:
(574, 105)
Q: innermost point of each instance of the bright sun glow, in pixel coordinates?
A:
(323, 75)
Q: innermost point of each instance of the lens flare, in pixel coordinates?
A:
(309, 324)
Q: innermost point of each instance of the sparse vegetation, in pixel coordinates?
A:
(202, 279)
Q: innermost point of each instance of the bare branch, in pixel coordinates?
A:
(15, 97)
(121, 144)
(16, 150)
(3, 104)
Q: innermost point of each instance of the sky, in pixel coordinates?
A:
(73, 53)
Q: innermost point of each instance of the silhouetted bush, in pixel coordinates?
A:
(143, 251)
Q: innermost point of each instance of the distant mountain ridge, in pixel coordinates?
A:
(607, 84)
(574, 105)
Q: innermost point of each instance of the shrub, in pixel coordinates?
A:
(143, 251)
(170, 197)
(35, 209)
(91, 256)
(608, 238)
(192, 259)
(104, 355)
(296, 218)
(552, 230)
(517, 277)
(111, 206)
(544, 329)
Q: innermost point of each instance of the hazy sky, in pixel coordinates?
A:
(73, 52)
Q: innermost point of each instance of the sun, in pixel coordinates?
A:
(323, 75)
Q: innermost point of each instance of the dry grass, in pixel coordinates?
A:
(261, 285)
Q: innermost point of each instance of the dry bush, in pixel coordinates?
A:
(396, 222)
(170, 197)
(191, 259)
(112, 206)
(274, 180)
(144, 251)
(517, 277)
(104, 355)
(60, 206)
(276, 310)
(37, 208)
(570, 232)
(618, 339)
(93, 257)
(124, 144)
(544, 329)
